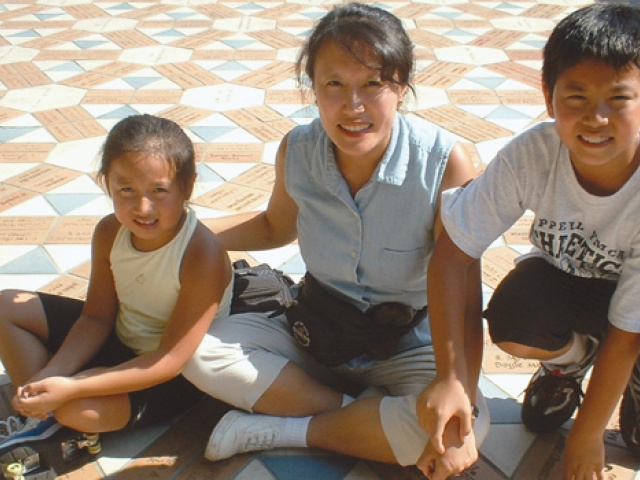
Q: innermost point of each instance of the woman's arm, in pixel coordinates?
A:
(454, 299)
(274, 227)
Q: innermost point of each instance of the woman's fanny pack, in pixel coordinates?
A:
(260, 289)
(335, 331)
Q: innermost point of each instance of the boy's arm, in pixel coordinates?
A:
(454, 313)
(584, 451)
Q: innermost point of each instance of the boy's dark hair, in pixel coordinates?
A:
(361, 29)
(158, 136)
(604, 32)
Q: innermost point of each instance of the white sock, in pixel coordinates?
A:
(346, 400)
(294, 432)
(575, 354)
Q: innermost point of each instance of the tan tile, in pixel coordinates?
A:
(130, 39)
(480, 130)
(521, 97)
(78, 55)
(148, 11)
(447, 115)
(496, 263)
(188, 75)
(524, 55)
(24, 230)
(84, 12)
(109, 97)
(217, 11)
(288, 97)
(10, 197)
(43, 178)
(498, 39)
(233, 198)
(549, 11)
(73, 230)
(431, 40)
(67, 286)
(82, 271)
(261, 176)
(518, 72)
(233, 153)
(518, 234)
(277, 39)
(57, 38)
(89, 471)
(7, 114)
(475, 97)
(184, 115)
(496, 361)
(156, 96)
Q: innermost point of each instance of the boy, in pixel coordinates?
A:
(578, 291)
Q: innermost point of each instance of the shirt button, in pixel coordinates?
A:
(354, 254)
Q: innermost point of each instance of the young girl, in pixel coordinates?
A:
(158, 279)
(360, 188)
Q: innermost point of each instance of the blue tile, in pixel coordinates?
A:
(87, 44)
(502, 113)
(169, 33)
(34, 262)
(490, 82)
(9, 133)
(230, 66)
(25, 34)
(310, 111)
(237, 43)
(123, 112)
(67, 67)
(309, 466)
(64, 203)
(139, 82)
(209, 134)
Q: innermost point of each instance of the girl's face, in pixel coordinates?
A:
(147, 199)
(356, 107)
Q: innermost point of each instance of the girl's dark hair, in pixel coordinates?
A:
(361, 29)
(604, 32)
(158, 136)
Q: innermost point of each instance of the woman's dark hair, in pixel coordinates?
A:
(158, 136)
(604, 32)
(361, 30)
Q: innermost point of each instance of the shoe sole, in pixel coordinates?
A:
(212, 453)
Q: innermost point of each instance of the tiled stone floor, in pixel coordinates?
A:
(70, 69)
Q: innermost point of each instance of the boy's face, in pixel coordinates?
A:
(597, 113)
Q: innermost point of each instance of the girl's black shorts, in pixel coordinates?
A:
(147, 406)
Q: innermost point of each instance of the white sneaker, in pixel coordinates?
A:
(240, 432)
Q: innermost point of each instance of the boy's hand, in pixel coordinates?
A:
(583, 457)
(439, 403)
(458, 455)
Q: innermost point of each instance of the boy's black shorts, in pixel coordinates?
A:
(147, 406)
(539, 305)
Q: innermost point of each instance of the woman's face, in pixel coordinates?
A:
(357, 108)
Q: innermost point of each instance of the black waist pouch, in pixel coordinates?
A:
(335, 331)
(260, 289)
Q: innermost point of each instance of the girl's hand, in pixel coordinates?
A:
(38, 398)
(439, 403)
(583, 457)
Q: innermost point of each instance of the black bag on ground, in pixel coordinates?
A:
(260, 289)
(335, 331)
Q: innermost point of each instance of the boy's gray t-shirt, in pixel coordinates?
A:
(579, 233)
